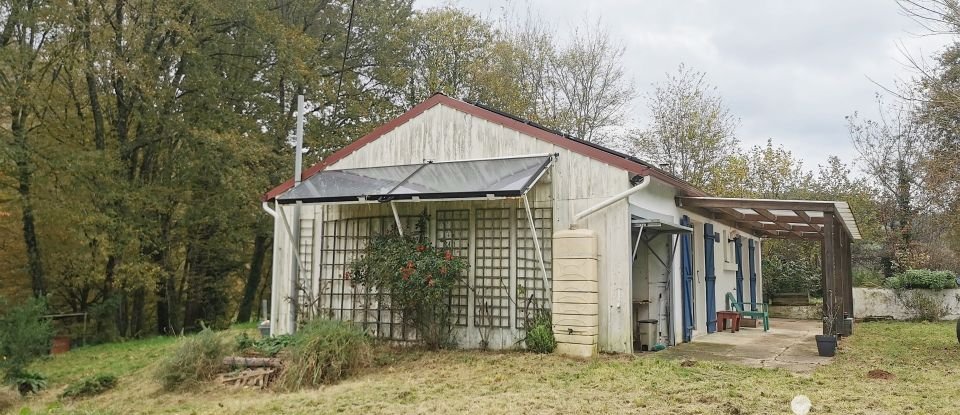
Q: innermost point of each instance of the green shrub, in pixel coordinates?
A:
(24, 335)
(781, 275)
(923, 279)
(867, 278)
(540, 337)
(418, 276)
(325, 351)
(91, 386)
(267, 346)
(27, 382)
(196, 359)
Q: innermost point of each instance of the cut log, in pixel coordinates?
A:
(238, 361)
(250, 378)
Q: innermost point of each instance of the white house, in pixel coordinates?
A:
(503, 193)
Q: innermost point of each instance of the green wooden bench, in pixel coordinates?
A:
(763, 310)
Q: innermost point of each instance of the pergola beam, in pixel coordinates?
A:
(774, 218)
(714, 202)
(806, 218)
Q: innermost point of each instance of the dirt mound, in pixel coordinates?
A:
(880, 374)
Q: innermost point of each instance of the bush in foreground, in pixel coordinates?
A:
(91, 386)
(198, 358)
(325, 351)
(540, 337)
(24, 334)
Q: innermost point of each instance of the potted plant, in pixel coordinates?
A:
(827, 342)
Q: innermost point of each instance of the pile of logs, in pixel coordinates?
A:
(257, 372)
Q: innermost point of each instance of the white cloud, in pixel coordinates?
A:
(790, 70)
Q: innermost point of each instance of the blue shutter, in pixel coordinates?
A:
(738, 251)
(751, 249)
(686, 274)
(710, 238)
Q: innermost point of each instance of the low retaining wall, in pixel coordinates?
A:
(884, 302)
(797, 312)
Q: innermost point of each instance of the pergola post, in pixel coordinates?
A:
(829, 278)
(848, 268)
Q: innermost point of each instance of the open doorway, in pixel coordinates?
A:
(654, 249)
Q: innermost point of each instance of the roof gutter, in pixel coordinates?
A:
(644, 182)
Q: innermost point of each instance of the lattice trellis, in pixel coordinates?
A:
(529, 280)
(492, 268)
(343, 242)
(453, 233)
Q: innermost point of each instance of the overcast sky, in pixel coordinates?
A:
(789, 70)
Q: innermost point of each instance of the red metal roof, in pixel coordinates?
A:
(593, 151)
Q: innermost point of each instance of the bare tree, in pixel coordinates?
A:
(893, 151)
(690, 128)
(590, 90)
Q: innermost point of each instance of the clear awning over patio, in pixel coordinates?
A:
(484, 178)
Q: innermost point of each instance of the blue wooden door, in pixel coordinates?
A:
(710, 275)
(686, 274)
(738, 251)
(752, 258)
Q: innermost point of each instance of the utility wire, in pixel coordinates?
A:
(346, 47)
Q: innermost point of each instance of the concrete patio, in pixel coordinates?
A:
(790, 345)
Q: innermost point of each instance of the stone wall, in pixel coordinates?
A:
(797, 312)
(884, 302)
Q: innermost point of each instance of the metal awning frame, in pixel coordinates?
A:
(438, 197)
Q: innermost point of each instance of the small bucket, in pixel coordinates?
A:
(60, 345)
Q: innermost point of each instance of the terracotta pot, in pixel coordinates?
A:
(61, 344)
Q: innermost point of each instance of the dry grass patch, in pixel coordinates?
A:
(923, 358)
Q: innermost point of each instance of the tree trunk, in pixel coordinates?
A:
(260, 246)
(138, 314)
(25, 177)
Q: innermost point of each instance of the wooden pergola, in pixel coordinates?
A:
(830, 222)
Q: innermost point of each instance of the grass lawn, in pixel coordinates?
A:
(924, 360)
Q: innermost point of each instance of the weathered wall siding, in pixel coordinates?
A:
(283, 254)
(578, 182)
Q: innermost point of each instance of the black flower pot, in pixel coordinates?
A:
(826, 345)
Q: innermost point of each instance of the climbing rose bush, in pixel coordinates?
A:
(416, 276)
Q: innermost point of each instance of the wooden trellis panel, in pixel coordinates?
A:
(492, 280)
(529, 280)
(453, 233)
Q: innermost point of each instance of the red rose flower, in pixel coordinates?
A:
(421, 248)
(448, 255)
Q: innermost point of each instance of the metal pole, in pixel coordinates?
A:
(536, 244)
(396, 218)
(298, 157)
